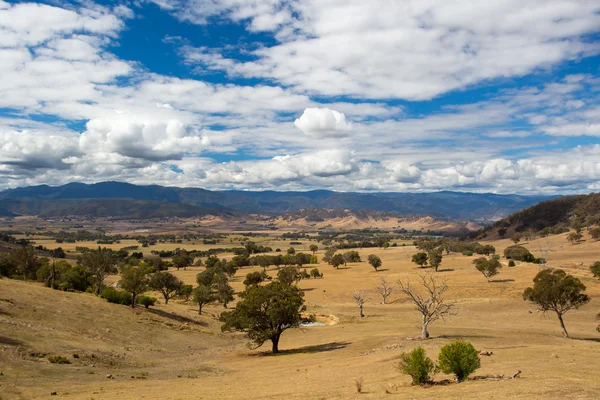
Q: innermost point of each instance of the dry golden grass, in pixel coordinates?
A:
(172, 353)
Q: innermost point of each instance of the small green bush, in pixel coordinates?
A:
(511, 263)
(65, 286)
(116, 296)
(468, 253)
(459, 358)
(146, 301)
(58, 360)
(417, 365)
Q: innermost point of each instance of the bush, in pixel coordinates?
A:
(511, 263)
(518, 253)
(467, 253)
(116, 296)
(459, 358)
(58, 360)
(315, 273)
(146, 301)
(65, 286)
(417, 365)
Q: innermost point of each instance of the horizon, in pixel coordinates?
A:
(499, 97)
(289, 191)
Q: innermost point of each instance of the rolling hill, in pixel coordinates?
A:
(440, 205)
(551, 216)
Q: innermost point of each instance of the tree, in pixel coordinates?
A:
(329, 254)
(288, 275)
(435, 258)
(291, 251)
(595, 233)
(351, 256)
(99, 264)
(337, 260)
(185, 292)
(202, 295)
(555, 290)
(205, 277)
(574, 237)
(25, 261)
(254, 278)
(265, 312)
(360, 299)
(314, 248)
(315, 273)
(420, 259)
(165, 283)
(223, 291)
(182, 260)
(431, 304)
(384, 289)
(595, 269)
(487, 267)
(417, 365)
(375, 261)
(134, 279)
(459, 358)
(49, 273)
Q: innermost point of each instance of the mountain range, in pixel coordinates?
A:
(133, 201)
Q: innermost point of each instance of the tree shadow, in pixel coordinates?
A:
(175, 317)
(10, 342)
(502, 280)
(318, 348)
(382, 270)
(308, 289)
(446, 270)
(456, 337)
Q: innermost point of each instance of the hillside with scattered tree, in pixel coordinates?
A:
(549, 217)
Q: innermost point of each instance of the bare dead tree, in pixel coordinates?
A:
(430, 303)
(384, 289)
(360, 298)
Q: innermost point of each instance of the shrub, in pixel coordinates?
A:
(518, 253)
(65, 286)
(417, 365)
(315, 273)
(467, 253)
(146, 301)
(58, 360)
(116, 296)
(459, 358)
(511, 263)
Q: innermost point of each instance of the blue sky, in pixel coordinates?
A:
(499, 96)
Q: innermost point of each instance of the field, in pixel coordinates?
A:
(170, 352)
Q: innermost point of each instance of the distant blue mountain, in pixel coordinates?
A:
(442, 205)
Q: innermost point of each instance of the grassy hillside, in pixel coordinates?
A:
(170, 352)
(551, 216)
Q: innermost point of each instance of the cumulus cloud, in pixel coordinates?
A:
(149, 140)
(323, 122)
(415, 50)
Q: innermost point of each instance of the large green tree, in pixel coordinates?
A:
(134, 279)
(99, 264)
(420, 259)
(265, 312)
(487, 267)
(555, 290)
(165, 283)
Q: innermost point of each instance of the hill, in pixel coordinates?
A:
(440, 205)
(551, 216)
(116, 208)
(323, 218)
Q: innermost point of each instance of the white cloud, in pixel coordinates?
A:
(415, 50)
(323, 122)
